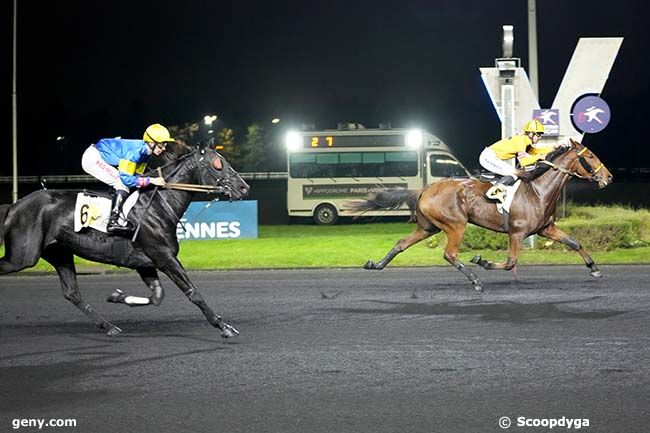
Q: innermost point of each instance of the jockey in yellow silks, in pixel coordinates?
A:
(499, 158)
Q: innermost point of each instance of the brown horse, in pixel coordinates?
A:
(450, 204)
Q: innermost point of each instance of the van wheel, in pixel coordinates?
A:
(326, 215)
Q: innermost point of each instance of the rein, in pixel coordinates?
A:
(582, 162)
(194, 187)
(562, 169)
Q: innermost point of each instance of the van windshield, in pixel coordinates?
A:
(441, 165)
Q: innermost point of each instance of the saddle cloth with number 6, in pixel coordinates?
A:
(92, 210)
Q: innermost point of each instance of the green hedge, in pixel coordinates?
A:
(601, 228)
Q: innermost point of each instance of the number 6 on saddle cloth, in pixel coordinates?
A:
(93, 210)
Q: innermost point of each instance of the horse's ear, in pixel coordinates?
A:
(573, 142)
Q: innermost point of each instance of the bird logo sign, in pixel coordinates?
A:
(550, 118)
(590, 114)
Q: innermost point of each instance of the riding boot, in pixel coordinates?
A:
(113, 227)
(498, 190)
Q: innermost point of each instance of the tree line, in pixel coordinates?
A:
(257, 149)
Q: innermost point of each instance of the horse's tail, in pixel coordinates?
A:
(385, 199)
(3, 214)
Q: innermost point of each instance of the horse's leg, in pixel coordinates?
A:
(175, 271)
(454, 239)
(20, 252)
(150, 278)
(7, 265)
(63, 262)
(401, 245)
(554, 233)
(514, 246)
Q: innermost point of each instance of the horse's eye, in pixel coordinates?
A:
(216, 163)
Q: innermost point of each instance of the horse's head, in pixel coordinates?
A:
(588, 166)
(215, 170)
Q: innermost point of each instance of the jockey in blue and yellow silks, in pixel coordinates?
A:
(129, 156)
(121, 163)
(499, 157)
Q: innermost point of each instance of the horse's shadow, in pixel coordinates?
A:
(38, 385)
(505, 311)
(136, 331)
(140, 328)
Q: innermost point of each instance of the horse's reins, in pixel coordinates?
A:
(582, 162)
(194, 187)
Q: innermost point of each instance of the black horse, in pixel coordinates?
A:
(42, 225)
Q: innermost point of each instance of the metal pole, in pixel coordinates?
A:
(532, 70)
(532, 46)
(14, 192)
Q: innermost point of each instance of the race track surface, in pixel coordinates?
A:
(399, 350)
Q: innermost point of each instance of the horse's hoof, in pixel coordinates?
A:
(369, 265)
(476, 259)
(113, 331)
(116, 297)
(228, 331)
(596, 274)
(478, 288)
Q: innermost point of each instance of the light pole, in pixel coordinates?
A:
(532, 46)
(208, 119)
(14, 103)
(534, 82)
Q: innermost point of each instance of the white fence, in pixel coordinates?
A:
(84, 178)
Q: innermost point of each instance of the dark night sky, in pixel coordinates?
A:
(92, 69)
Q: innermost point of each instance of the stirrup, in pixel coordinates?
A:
(119, 230)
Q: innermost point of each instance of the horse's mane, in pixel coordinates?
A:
(540, 169)
(175, 149)
(560, 150)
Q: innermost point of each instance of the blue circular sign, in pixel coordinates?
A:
(590, 114)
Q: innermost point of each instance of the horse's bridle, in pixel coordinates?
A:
(588, 168)
(224, 181)
(593, 172)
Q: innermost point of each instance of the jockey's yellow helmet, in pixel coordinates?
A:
(157, 133)
(534, 126)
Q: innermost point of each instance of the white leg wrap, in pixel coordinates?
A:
(136, 300)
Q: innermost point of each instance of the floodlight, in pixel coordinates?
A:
(209, 119)
(414, 138)
(293, 141)
(508, 40)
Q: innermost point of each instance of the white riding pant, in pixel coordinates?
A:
(491, 162)
(94, 165)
